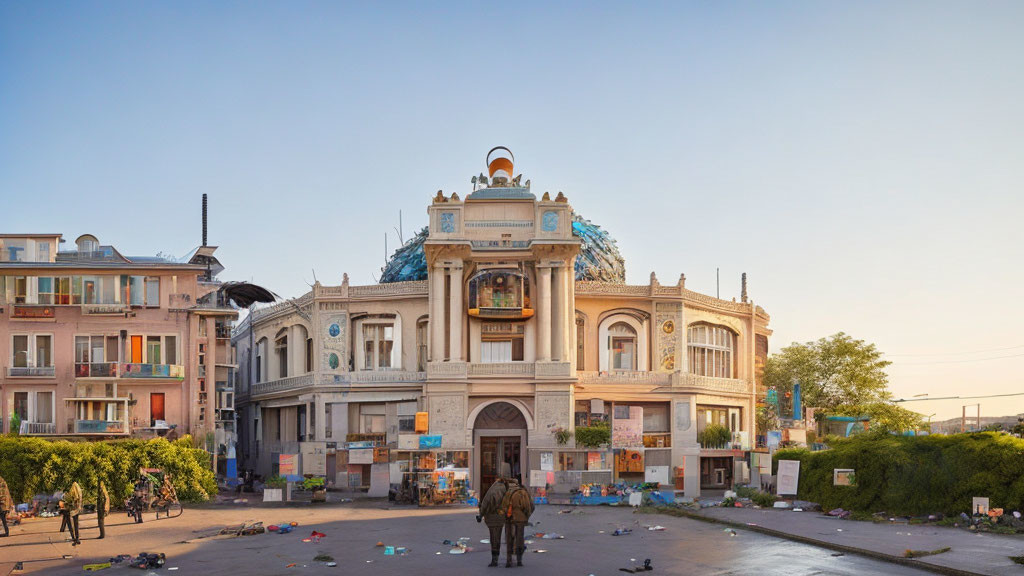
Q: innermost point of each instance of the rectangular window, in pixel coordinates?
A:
(407, 424)
(46, 291)
(496, 351)
(153, 292)
(76, 289)
(170, 349)
(153, 348)
(110, 294)
(21, 405)
(19, 352)
(63, 287)
(44, 408)
(623, 353)
(20, 290)
(373, 424)
(44, 351)
(90, 290)
(378, 344)
(309, 355)
(421, 346)
(42, 251)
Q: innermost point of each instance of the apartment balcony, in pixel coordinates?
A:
(96, 370)
(174, 371)
(31, 372)
(100, 427)
(37, 428)
(625, 377)
(283, 385)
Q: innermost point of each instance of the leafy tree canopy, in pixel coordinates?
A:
(839, 375)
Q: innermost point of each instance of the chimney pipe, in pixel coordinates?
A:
(204, 220)
(743, 287)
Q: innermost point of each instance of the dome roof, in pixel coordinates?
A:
(599, 258)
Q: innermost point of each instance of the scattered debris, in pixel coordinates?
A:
(646, 567)
(657, 528)
(323, 558)
(919, 553)
(96, 567)
(622, 531)
(730, 532)
(1017, 559)
(145, 561)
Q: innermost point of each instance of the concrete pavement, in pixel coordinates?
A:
(685, 547)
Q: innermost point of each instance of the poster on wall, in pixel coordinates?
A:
(657, 474)
(430, 441)
(547, 461)
(598, 461)
(538, 478)
(843, 477)
(774, 438)
(288, 464)
(360, 456)
(380, 480)
(789, 477)
(628, 432)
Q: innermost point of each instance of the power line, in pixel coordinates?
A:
(958, 397)
(957, 361)
(961, 353)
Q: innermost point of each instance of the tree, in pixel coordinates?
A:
(840, 375)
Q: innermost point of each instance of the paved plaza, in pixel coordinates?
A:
(685, 546)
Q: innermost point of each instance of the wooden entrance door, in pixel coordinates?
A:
(495, 451)
(156, 407)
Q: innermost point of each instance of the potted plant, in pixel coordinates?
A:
(562, 435)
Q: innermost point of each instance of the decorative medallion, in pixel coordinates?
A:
(334, 330)
(333, 361)
(549, 222)
(669, 327)
(448, 222)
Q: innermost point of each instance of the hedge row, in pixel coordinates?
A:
(38, 466)
(914, 475)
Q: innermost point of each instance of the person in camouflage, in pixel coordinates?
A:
(6, 505)
(102, 507)
(493, 515)
(518, 506)
(71, 507)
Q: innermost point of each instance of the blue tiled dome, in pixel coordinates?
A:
(599, 258)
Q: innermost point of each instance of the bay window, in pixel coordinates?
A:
(710, 349)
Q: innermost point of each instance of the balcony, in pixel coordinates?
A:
(31, 372)
(373, 377)
(152, 371)
(37, 428)
(625, 377)
(96, 370)
(500, 369)
(100, 427)
(711, 384)
(283, 385)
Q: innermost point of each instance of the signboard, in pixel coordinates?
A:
(597, 406)
(843, 477)
(381, 455)
(360, 456)
(979, 505)
(598, 461)
(33, 312)
(774, 438)
(314, 458)
(422, 422)
(408, 442)
(547, 461)
(657, 474)
(288, 464)
(629, 432)
(789, 477)
(430, 441)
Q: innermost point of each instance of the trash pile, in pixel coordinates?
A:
(244, 529)
(283, 528)
(996, 520)
(460, 546)
(146, 561)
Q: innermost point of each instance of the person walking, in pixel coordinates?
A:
(102, 507)
(493, 514)
(71, 507)
(6, 505)
(518, 507)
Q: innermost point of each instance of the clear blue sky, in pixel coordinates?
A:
(862, 161)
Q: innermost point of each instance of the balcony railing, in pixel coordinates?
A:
(96, 370)
(31, 372)
(152, 371)
(624, 377)
(282, 384)
(99, 427)
(33, 428)
(501, 369)
(712, 384)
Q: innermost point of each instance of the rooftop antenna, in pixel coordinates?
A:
(401, 239)
(743, 287)
(314, 274)
(204, 219)
(718, 284)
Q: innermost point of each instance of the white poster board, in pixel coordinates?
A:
(380, 480)
(979, 505)
(629, 432)
(547, 461)
(657, 474)
(789, 477)
(360, 456)
(408, 441)
(597, 406)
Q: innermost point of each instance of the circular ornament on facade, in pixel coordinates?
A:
(668, 327)
(334, 330)
(549, 222)
(333, 361)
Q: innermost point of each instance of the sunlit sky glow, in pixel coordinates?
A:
(861, 161)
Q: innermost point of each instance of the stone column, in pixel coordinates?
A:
(437, 314)
(557, 314)
(544, 314)
(565, 314)
(455, 274)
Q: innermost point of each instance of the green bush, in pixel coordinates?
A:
(909, 475)
(277, 481)
(594, 436)
(34, 465)
(714, 436)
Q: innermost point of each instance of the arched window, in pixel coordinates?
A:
(281, 350)
(710, 350)
(622, 346)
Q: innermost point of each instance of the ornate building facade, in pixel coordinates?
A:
(507, 325)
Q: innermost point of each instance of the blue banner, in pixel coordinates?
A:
(430, 441)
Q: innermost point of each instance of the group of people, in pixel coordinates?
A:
(506, 505)
(70, 507)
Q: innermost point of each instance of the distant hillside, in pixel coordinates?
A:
(952, 425)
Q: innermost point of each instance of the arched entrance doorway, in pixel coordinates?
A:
(499, 440)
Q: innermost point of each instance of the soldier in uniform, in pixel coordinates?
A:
(493, 514)
(102, 507)
(6, 505)
(71, 507)
(518, 506)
